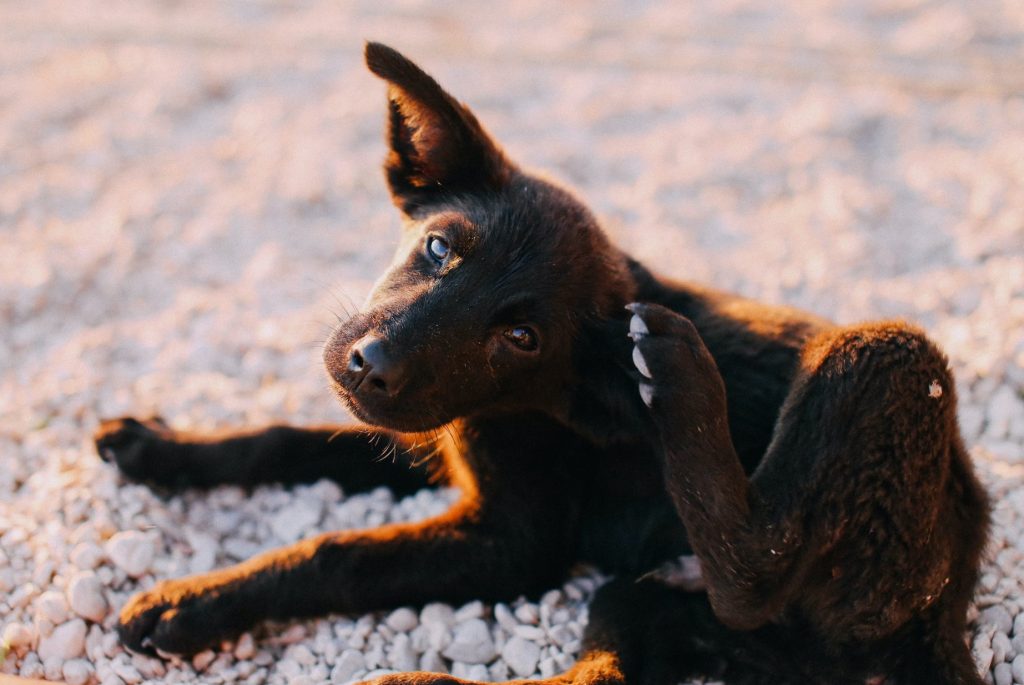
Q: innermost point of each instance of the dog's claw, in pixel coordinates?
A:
(647, 393)
(637, 327)
(640, 363)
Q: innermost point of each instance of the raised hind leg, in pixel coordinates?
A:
(863, 513)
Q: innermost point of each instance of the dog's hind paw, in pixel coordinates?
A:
(138, 448)
(683, 573)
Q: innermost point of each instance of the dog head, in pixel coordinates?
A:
(495, 274)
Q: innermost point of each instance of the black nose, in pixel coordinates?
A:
(374, 370)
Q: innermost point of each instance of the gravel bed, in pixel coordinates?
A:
(190, 192)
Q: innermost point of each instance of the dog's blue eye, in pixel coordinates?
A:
(522, 337)
(438, 249)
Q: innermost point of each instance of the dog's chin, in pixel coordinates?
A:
(387, 417)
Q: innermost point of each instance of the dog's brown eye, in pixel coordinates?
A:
(438, 249)
(522, 337)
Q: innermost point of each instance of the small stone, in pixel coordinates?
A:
(302, 655)
(505, 618)
(296, 520)
(203, 659)
(17, 635)
(400, 654)
(401, 620)
(246, 647)
(1003, 674)
(1018, 623)
(527, 613)
(551, 598)
(437, 613)
(67, 641)
(521, 655)
(76, 671)
(1000, 647)
(295, 633)
(348, 665)
(51, 606)
(432, 662)
(997, 616)
(127, 673)
(1017, 668)
(472, 643)
(52, 668)
(983, 659)
(85, 594)
(289, 667)
(473, 609)
(534, 633)
(86, 556)
(131, 551)
(204, 552)
(301, 680)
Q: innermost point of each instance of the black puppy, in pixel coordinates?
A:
(816, 471)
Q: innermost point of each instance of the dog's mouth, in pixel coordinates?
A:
(387, 414)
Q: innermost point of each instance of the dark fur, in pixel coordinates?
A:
(814, 469)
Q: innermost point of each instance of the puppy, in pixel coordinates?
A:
(604, 414)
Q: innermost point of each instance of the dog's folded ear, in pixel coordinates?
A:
(438, 148)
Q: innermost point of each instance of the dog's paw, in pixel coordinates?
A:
(179, 617)
(683, 573)
(674, 364)
(137, 447)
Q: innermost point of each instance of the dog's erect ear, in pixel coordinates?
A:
(437, 145)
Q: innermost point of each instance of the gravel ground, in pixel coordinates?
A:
(189, 190)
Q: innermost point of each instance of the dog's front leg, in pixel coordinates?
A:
(357, 458)
(461, 555)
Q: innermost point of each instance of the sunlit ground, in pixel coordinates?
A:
(190, 190)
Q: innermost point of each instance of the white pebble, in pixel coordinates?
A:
(521, 655)
(437, 614)
(296, 520)
(432, 662)
(1003, 674)
(245, 648)
(473, 609)
(127, 673)
(472, 643)
(77, 671)
(85, 594)
(51, 606)
(527, 613)
(347, 666)
(86, 556)
(401, 656)
(301, 654)
(203, 659)
(997, 616)
(505, 618)
(534, 633)
(401, 620)
(67, 641)
(17, 635)
(1017, 668)
(1001, 647)
(131, 551)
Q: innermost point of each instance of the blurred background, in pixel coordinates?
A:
(190, 191)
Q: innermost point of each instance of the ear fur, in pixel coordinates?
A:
(436, 144)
